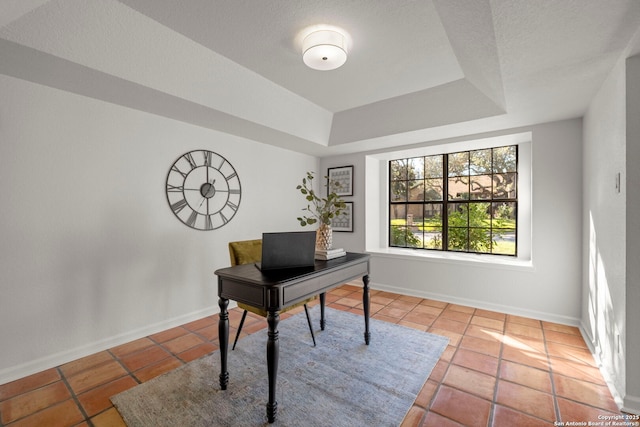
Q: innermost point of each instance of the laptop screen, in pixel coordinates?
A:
(288, 250)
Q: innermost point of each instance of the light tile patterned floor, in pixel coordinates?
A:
(498, 370)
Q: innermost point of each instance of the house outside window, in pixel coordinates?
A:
(465, 201)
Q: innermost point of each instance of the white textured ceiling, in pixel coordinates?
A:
(417, 70)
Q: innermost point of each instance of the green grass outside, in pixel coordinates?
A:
(503, 248)
(431, 225)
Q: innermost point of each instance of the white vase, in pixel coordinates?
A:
(324, 237)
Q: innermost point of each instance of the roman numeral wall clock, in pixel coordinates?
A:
(203, 190)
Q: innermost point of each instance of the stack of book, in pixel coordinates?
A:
(329, 253)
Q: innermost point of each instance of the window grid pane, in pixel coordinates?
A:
(479, 214)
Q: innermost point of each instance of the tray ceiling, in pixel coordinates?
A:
(416, 71)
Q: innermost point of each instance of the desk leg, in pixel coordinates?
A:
(223, 334)
(323, 298)
(365, 303)
(273, 350)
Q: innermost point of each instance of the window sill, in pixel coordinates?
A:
(488, 261)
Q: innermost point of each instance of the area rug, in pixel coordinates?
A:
(340, 382)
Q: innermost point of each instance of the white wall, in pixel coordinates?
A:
(91, 256)
(550, 289)
(632, 184)
(611, 252)
(604, 235)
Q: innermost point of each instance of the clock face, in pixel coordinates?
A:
(203, 190)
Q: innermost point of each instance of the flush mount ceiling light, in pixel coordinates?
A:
(324, 50)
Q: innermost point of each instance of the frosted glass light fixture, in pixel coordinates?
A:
(324, 50)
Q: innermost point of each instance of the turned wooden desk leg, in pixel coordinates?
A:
(273, 350)
(323, 322)
(223, 334)
(365, 303)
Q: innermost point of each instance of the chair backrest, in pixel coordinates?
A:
(245, 252)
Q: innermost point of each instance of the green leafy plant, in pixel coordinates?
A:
(402, 236)
(476, 236)
(321, 209)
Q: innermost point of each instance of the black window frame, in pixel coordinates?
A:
(502, 206)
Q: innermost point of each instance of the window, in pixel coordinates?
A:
(463, 202)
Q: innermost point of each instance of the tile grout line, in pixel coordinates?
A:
(556, 406)
(74, 397)
(495, 387)
(498, 380)
(551, 393)
(426, 410)
(128, 373)
(449, 363)
(570, 399)
(131, 374)
(126, 369)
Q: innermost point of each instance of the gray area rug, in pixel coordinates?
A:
(341, 382)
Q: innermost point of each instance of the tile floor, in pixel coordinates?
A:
(498, 370)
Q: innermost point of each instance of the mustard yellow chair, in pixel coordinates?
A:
(247, 252)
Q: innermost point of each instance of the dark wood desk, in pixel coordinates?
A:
(274, 291)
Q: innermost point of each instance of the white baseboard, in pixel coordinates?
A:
(608, 378)
(540, 315)
(51, 361)
(626, 403)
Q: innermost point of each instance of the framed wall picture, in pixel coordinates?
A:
(344, 177)
(344, 221)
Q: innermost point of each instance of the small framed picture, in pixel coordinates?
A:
(343, 177)
(344, 221)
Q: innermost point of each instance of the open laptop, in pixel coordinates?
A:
(287, 250)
